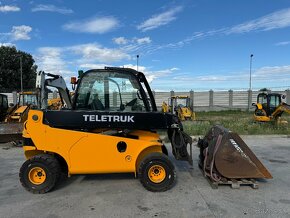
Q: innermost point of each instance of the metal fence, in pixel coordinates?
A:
(200, 101)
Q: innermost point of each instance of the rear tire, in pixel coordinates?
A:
(156, 173)
(40, 173)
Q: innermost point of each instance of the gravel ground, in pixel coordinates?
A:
(120, 195)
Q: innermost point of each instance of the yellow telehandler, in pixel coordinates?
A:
(110, 127)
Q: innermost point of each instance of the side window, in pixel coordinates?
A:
(131, 96)
(83, 94)
(5, 102)
(1, 101)
(115, 98)
(262, 99)
(274, 101)
(96, 99)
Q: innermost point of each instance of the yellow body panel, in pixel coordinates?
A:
(185, 113)
(259, 106)
(262, 118)
(86, 152)
(20, 110)
(165, 108)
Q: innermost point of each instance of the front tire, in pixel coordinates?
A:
(40, 173)
(156, 173)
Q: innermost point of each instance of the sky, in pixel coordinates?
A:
(182, 45)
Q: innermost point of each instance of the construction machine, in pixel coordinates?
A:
(3, 106)
(12, 127)
(110, 126)
(180, 105)
(270, 107)
(18, 113)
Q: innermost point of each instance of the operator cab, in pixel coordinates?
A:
(114, 89)
(176, 102)
(269, 102)
(27, 99)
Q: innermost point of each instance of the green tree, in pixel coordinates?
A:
(10, 79)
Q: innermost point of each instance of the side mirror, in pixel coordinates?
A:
(11, 105)
(253, 104)
(283, 96)
(80, 72)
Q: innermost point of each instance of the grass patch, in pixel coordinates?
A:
(241, 122)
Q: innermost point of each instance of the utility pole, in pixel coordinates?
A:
(251, 58)
(250, 88)
(137, 62)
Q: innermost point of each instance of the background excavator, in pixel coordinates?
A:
(270, 107)
(107, 129)
(18, 113)
(12, 127)
(180, 105)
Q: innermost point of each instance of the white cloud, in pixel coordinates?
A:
(51, 8)
(133, 45)
(273, 72)
(261, 77)
(95, 25)
(50, 59)
(124, 41)
(8, 44)
(282, 43)
(93, 52)
(20, 32)
(143, 40)
(159, 20)
(61, 60)
(150, 74)
(92, 66)
(277, 20)
(9, 8)
(120, 40)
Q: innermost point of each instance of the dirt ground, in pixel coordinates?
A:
(120, 195)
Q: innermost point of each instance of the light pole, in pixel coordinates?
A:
(251, 58)
(137, 62)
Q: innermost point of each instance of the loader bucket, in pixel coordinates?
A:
(10, 132)
(223, 154)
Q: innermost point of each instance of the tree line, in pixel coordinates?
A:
(11, 60)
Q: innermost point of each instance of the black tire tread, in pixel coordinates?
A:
(160, 157)
(51, 163)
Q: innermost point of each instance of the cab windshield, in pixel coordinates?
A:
(109, 91)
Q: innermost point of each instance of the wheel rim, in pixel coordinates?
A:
(37, 175)
(156, 174)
